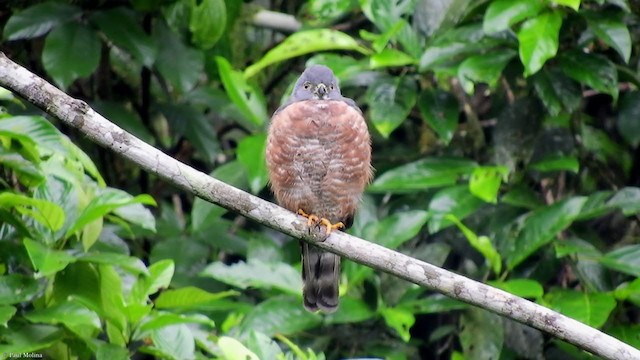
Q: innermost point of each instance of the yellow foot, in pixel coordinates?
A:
(312, 219)
(330, 226)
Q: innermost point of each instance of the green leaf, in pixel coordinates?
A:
(161, 319)
(592, 70)
(485, 68)
(258, 274)
(61, 49)
(6, 313)
(30, 338)
(538, 38)
(627, 200)
(305, 42)
(207, 22)
(122, 28)
(45, 260)
(453, 45)
(174, 341)
(251, 154)
(525, 288)
(351, 310)
(192, 123)
(501, 14)
(106, 201)
(246, 97)
(591, 309)
(422, 174)
(189, 298)
(556, 91)
(160, 275)
(181, 65)
(15, 288)
(233, 349)
(625, 259)
(38, 20)
(455, 200)
(390, 102)
(630, 334)
(45, 212)
(395, 230)
(557, 163)
(129, 263)
(541, 227)
(522, 196)
(399, 319)
(485, 182)
(478, 342)
(611, 29)
(280, 315)
(390, 57)
(481, 243)
(574, 4)
(263, 346)
(628, 115)
(440, 111)
(71, 314)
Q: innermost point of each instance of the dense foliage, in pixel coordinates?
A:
(506, 138)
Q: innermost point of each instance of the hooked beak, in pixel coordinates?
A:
(321, 90)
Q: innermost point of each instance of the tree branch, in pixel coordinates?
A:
(79, 115)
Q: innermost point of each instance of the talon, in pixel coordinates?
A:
(330, 226)
(312, 219)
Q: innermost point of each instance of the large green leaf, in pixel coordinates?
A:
(395, 230)
(305, 42)
(45, 260)
(122, 28)
(485, 182)
(455, 200)
(178, 63)
(541, 227)
(611, 29)
(280, 315)
(207, 22)
(501, 14)
(61, 54)
(591, 309)
(6, 313)
(485, 68)
(251, 154)
(440, 110)
(390, 102)
(257, 274)
(129, 263)
(400, 319)
(38, 20)
(15, 288)
(592, 70)
(173, 342)
(161, 319)
(423, 174)
(189, 298)
(45, 212)
(246, 97)
(24, 339)
(351, 310)
(556, 91)
(538, 38)
(105, 202)
(625, 259)
(71, 314)
(233, 349)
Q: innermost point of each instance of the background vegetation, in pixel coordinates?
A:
(506, 138)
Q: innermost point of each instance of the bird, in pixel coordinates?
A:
(318, 157)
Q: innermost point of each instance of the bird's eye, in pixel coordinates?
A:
(332, 87)
(307, 85)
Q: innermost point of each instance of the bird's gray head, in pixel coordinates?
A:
(317, 82)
